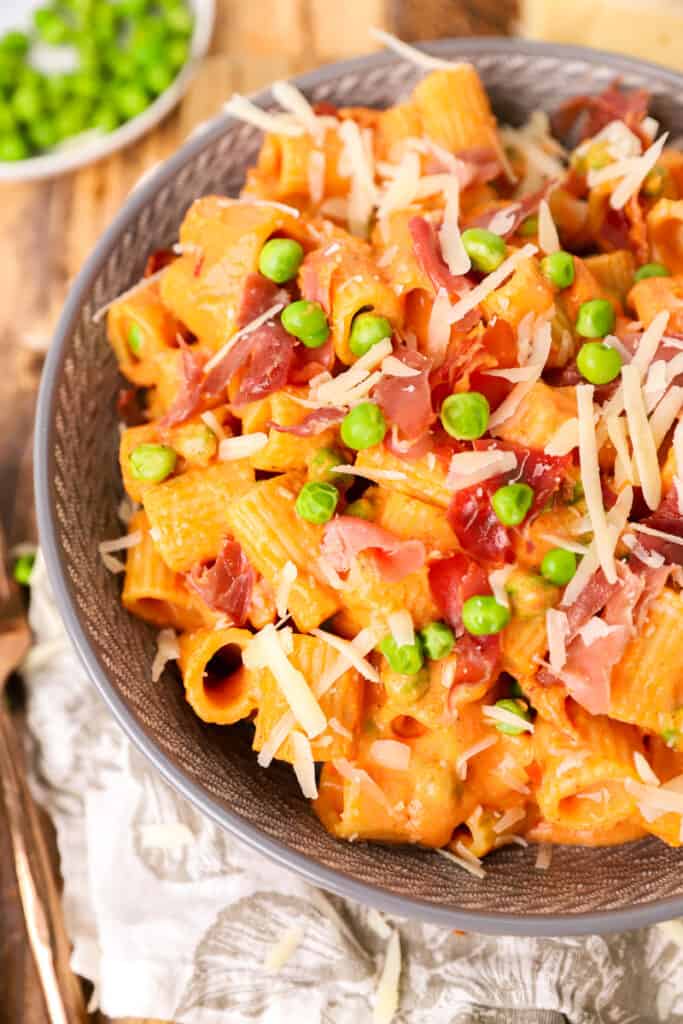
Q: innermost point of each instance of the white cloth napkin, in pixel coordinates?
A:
(173, 919)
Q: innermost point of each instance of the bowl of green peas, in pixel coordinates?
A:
(82, 78)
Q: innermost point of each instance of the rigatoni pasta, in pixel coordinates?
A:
(390, 476)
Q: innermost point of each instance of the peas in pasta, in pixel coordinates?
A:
(307, 322)
(152, 462)
(317, 502)
(596, 318)
(364, 426)
(367, 330)
(406, 658)
(465, 416)
(437, 640)
(483, 616)
(598, 363)
(280, 259)
(486, 249)
(512, 502)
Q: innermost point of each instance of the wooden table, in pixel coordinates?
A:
(46, 231)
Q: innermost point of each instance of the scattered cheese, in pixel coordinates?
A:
(338, 390)
(222, 352)
(402, 188)
(472, 869)
(282, 951)
(557, 628)
(350, 652)
(642, 440)
(564, 542)
(209, 417)
(401, 627)
(336, 726)
(358, 161)
(244, 110)
(565, 438)
(411, 53)
(387, 993)
(540, 349)
(471, 299)
(105, 548)
(266, 651)
(439, 328)
(653, 559)
(391, 754)
(316, 176)
(616, 431)
(514, 374)
(590, 476)
(452, 247)
(666, 414)
(548, 238)
(470, 752)
(503, 220)
(617, 517)
(509, 819)
(296, 104)
(360, 777)
(671, 537)
(635, 173)
(393, 367)
(304, 765)
(544, 857)
(139, 287)
(493, 714)
(231, 449)
(469, 468)
(497, 579)
(662, 799)
(377, 475)
(284, 588)
(167, 650)
(644, 770)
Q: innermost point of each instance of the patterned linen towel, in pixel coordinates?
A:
(171, 918)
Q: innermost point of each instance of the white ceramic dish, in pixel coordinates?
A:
(86, 148)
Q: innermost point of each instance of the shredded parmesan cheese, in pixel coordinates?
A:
(411, 53)
(139, 287)
(361, 778)
(544, 857)
(439, 327)
(266, 651)
(316, 176)
(284, 948)
(509, 819)
(644, 770)
(616, 431)
(497, 579)
(284, 588)
(354, 383)
(377, 475)
(452, 248)
(304, 765)
(494, 714)
(393, 367)
(565, 438)
(471, 869)
(666, 414)
(167, 650)
(548, 238)
(391, 754)
(671, 537)
(350, 653)
(244, 110)
(540, 349)
(241, 447)
(219, 356)
(642, 440)
(636, 171)
(387, 993)
(213, 424)
(471, 299)
(470, 752)
(590, 475)
(469, 468)
(401, 627)
(557, 628)
(358, 160)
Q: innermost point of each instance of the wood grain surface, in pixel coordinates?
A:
(46, 231)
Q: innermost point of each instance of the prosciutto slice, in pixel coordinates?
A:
(264, 354)
(668, 519)
(428, 254)
(226, 584)
(314, 423)
(407, 401)
(518, 211)
(344, 537)
(593, 113)
(452, 581)
(189, 398)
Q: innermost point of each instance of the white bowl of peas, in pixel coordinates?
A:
(82, 78)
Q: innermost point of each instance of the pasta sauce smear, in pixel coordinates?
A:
(406, 465)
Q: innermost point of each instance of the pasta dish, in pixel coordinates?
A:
(403, 465)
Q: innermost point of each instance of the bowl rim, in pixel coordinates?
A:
(92, 148)
(333, 880)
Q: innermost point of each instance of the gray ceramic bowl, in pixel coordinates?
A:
(78, 489)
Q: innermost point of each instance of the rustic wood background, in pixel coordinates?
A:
(46, 231)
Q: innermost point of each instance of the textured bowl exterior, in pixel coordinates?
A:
(78, 489)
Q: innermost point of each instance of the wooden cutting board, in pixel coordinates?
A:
(47, 230)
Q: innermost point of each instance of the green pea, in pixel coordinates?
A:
(367, 330)
(158, 77)
(179, 20)
(558, 267)
(598, 363)
(56, 88)
(596, 318)
(105, 118)
(307, 322)
(103, 23)
(280, 259)
(23, 569)
(485, 249)
(406, 659)
(177, 52)
(16, 43)
(558, 566)
(512, 502)
(85, 84)
(43, 133)
(152, 462)
(27, 102)
(465, 415)
(51, 26)
(130, 99)
(316, 502)
(363, 426)
(515, 707)
(13, 148)
(72, 118)
(437, 640)
(362, 508)
(651, 270)
(670, 736)
(528, 227)
(323, 462)
(9, 69)
(483, 616)
(7, 122)
(135, 339)
(133, 8)
(122, 65)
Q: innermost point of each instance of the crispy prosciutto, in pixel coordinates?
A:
(314, 423)
(345, 537)
(259, 295)
(264, 355)
(480, 164)
(596, 645)
(517, 211)
(668, 519)
(452, 581)
(407, 401)
(189, 398)
(428, 255)
(593, 113)
(309, 362)
(226, 584)
(471, 514)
